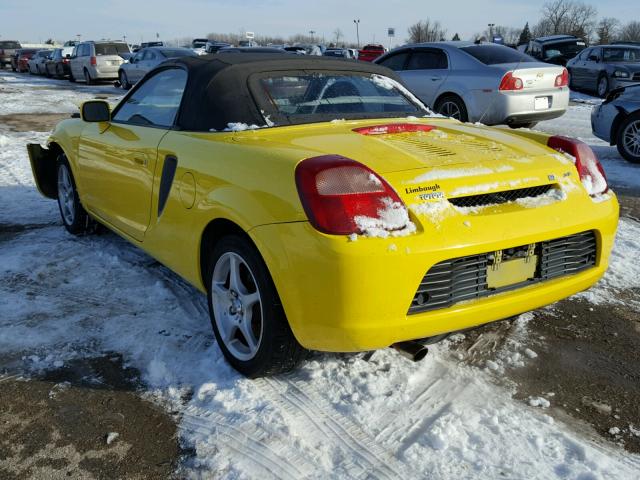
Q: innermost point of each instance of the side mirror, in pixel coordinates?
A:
(592, 58)
(95, 111)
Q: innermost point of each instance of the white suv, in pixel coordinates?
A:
(93, 61)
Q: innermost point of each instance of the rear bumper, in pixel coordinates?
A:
(352, 296)
(105, 72)
(519, 107)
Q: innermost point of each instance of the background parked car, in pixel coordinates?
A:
(370, 52)
(152, 44)
(24, 55)
(95, 61)
(7, 50)
(604, 68)
(250, 50)
(617, 121)
(58, 63)
(213, 47)
(485, 83)
(145, 60)
(37, 62)
(338, 52)
(555, 49)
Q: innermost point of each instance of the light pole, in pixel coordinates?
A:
(357, 22)
(78, 35)
(312, 32)
(491, 25)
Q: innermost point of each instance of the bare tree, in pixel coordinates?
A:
(426, 31)
(337, 35)
(630, 32)
(509, 35)
(607, 30)
(571, 17)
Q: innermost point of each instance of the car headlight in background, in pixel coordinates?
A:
(621, 74)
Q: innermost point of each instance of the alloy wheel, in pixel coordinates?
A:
(631, 138)
(450, 109)
(66, 196)
(237, 306)
(603, 86)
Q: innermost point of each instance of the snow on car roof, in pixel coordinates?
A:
(218, 93)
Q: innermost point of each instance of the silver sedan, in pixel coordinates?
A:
(486, 83)
(145, 60)
(617, 121)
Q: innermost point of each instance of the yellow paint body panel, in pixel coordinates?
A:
(339, 294)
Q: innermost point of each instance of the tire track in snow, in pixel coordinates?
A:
(306, 407)
(246, 440)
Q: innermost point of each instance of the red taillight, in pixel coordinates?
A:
(509, 82)
(335, 191)
(393, 128)
(589, 167)
(93, 61)
(562, 80)
(65, 60)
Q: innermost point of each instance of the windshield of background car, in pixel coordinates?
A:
(566, 49)
(495, 54)
(621, 55)
(309, 97)
(9, 45)
(111, 48)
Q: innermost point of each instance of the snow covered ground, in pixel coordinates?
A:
(338, 416)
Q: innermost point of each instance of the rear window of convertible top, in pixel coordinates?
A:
(336, 94)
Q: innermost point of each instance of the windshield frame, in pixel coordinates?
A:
(274, 117)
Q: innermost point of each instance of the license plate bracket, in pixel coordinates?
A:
(504, 273)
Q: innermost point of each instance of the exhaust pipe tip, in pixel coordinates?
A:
(414, 351)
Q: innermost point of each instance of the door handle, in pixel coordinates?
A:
(435, 79)
(140, 161)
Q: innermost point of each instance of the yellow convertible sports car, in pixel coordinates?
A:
(321, 206)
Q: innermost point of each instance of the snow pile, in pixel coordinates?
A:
(552, 196)
(623, 273)
(240, 127)
(392, 221)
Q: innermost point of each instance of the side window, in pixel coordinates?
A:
(395, 62)
(156, 102)
(150, 55)
(585, 54)
(428, 60)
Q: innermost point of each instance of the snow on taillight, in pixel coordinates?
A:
(562, 80)
(589, 167)
(341, 197)
(509, 82)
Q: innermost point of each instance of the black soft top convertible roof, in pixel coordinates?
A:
(218, 93)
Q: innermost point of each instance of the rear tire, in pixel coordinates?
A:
(87, 78)
(124, 80)
(452, 106)
(628, 138)
(74, 217)
(246, 313)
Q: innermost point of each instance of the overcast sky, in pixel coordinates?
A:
(36, 20)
